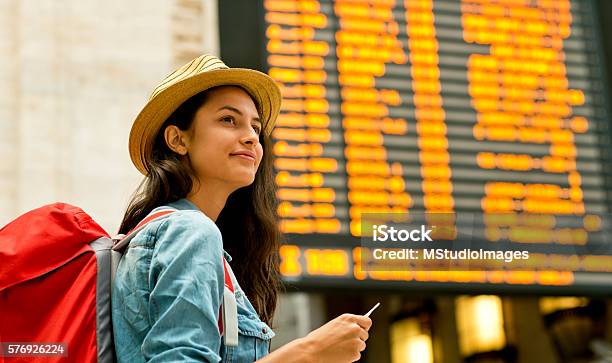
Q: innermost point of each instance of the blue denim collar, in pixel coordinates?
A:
(185, 204)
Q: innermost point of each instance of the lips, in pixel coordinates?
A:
(245, 154)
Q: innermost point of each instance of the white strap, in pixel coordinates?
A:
(230, 318)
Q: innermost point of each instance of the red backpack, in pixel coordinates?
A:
(56, 271)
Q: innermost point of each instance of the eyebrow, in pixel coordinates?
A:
(234, 109)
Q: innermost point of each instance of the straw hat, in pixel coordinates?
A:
(202, 73)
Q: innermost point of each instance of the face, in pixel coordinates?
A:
(223, 140)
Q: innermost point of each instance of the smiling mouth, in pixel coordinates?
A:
(245, 157)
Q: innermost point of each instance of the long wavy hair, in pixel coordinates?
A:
(254, 243)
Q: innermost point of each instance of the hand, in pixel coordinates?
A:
(340, 340)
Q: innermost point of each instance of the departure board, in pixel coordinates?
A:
(449, 106)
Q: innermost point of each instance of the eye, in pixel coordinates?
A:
(257, 129)
(228, 119)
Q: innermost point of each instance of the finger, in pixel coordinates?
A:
(363, 335)
(347, 317)
(363, 321)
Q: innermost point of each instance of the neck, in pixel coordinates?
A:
(210, 198)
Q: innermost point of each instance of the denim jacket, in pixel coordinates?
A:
(167, 292)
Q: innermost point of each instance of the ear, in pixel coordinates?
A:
(176, 139)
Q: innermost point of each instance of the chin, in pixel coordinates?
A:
(244, 182)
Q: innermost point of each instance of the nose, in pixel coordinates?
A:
(251, 139)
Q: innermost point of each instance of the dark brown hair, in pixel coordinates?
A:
(253, 243)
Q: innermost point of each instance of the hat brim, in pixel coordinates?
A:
(259, 85)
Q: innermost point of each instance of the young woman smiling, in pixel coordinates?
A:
(203, 144)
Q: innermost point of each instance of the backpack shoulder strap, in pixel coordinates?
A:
(123, 241)
(228, 314)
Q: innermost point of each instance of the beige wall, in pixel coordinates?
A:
(73, 75)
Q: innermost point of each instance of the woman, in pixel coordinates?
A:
(202, 142)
